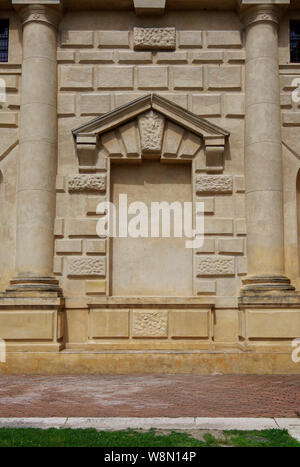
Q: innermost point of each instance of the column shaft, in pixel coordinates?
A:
(38, 149)
(263, 153)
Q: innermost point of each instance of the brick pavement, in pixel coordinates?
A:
(150, 396)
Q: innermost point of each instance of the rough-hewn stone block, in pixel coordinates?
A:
(214, 184)
(87, 183)
(188, 77)
(113, 39)
(215, 265)
(150, 323)
(154, 38)
(82, 266)
(76, 77)
(152, 77)
(115, 77)
(226, 77)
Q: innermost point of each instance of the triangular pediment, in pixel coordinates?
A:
(154, 127)
(169, 110)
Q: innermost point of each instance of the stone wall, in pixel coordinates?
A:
(103, 64)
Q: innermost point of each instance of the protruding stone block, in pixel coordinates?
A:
(154, 38)
(115, 77)
(188, 77)
(108, 323)
(215, 265)
(82, 266)
(148, 323)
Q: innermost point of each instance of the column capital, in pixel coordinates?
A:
(260, 13)
(38, 12)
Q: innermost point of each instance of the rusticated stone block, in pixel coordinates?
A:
(113, 39)
(150, 77)
(191, 39)
(188, 77)
(154, 38)
(215, 265)
(87, 183)
(150, 324)
(224, 77)
(214, 184)
(76, 77)
(77, 39)
(86, 266)
(115, 77)
(151, 126)
(223, 38)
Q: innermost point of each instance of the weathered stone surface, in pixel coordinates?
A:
(214, 184)
(215, 265)
(151, 126)
(86, 266)
(87, 183)
(150, 324)
(154, 38)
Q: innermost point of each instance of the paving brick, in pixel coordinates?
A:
(154, 396)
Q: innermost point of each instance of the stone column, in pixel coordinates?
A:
(263, 153)
(37, 151)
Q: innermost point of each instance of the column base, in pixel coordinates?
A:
(40, 284)
(266, 284)
(32, 320)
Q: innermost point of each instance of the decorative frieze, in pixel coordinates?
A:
(86, 266)
(154, 38)
(214, 184)
(151, 126)
(79, 183)
(150, 324)
(215, 265)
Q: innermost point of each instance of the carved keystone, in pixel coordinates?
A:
(151, 127)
